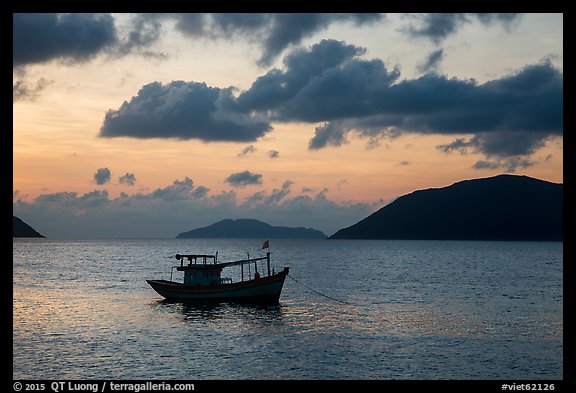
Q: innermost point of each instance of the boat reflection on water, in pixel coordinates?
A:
(257, 313)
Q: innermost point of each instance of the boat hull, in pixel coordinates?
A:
(265, 289)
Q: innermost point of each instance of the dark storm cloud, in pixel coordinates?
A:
(74, 37)
(276, 32)
(39, 38)
(288, 29)
(183, 110)
(529, 102)
(324, 82)
(330, 84)
(278, 87)
(438, 26)
(102, 176)
(273, 32)
(244, 178)
(191, 110)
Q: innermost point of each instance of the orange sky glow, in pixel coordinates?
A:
(60, 107)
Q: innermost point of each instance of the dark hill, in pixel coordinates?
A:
(21, 229)
(250, 229)
(504, 207)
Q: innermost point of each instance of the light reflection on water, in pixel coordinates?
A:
(415, 310)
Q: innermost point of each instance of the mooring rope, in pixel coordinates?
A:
(319, 293)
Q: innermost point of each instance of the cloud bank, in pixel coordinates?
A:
(272, 32)
(178, 207)
(75, 37)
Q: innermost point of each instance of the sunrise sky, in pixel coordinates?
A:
(148, 125)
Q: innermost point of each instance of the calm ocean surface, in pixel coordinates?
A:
(414, 310)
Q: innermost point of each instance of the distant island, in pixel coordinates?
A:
(503, 207)
(250, 229)
(21, 229)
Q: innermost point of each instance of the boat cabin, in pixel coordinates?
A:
(205, 269)
(200, 270)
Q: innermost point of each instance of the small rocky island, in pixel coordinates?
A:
(250, 229)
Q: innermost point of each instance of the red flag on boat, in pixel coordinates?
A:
(266, 244)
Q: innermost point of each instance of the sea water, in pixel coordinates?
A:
(350, 309)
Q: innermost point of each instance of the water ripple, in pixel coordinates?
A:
(414, 310)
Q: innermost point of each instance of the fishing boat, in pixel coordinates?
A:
(203, 280)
